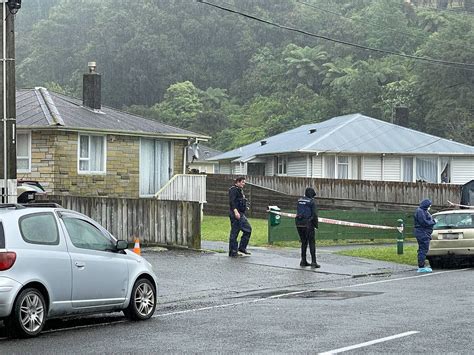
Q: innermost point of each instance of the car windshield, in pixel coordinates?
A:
(454, 220)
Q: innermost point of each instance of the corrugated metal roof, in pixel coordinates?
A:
(350, 134)
(205, 153)
(40, 108)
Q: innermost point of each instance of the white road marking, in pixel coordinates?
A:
(367, 343)
(226, 305)
(205, 308)
(251, 301)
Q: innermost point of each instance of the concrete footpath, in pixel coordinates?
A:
(330, 262)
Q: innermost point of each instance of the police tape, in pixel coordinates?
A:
(341, 223)
(458, 205)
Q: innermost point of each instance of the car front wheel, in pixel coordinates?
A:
(28, 315)
(142, 301)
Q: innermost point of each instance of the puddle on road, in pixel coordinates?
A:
(314, 294)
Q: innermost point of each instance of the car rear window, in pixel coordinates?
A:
(39, 228)
(454, 220)
(2, 237)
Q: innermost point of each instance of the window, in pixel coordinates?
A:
(86, 236)
(329, 166)
(356, 168)
(407, 168)
(91, 154)
(427, 169)
(155, 165)
(445, 163)
(343, 167)
(39, 228)
(23, 152)
(282, 163)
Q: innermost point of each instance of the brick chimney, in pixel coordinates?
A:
(91, 88)
(401, 116)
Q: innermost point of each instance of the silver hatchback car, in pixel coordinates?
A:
(56, 263)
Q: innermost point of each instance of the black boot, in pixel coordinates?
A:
(304, 263)
(312, 250)
(304, 246)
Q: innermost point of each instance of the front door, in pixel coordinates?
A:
(99, 275)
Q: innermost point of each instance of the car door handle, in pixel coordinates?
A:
(79, 264)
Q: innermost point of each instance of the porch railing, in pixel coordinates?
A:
(184, 187)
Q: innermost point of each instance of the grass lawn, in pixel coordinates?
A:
(389, 253)
(217, 229)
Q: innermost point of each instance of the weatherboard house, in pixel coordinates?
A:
(357, 147)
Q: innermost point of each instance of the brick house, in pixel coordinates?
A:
(82, 148)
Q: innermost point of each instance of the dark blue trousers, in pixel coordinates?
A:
(423, 238)
(237, 225)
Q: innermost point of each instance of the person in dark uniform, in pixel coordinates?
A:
(306, 221)
(424, 223)
(238, 220)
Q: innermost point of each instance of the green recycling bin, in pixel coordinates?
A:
(274, 218)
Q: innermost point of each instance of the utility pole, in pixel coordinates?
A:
(8, 102)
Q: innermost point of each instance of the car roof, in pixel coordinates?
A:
(22, 209)
(468, 210)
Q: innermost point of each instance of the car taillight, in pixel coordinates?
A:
(7, 259)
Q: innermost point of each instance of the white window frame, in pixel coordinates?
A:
(28, 157)
(347, 165)
(282, 165)
(79, 159)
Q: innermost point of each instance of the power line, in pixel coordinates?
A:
(457, 65)
(451, 10)
(415, 35)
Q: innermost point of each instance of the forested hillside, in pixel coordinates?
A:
(241, 79)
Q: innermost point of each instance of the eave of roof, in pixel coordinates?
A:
(111, 131)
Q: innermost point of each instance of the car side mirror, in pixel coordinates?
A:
(121, 245)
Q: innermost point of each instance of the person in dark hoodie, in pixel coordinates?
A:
(306, 221)
(424, 223)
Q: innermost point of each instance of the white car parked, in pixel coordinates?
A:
(452, 238)
(55, 263)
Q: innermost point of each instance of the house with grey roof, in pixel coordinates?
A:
(198, 156)
(79, 147)
(354, 147)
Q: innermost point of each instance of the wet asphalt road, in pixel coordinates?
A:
(266, 303)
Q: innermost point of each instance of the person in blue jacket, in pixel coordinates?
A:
(306, 221)
(424, 223)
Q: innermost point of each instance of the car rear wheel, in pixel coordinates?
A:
(434, 262)
(29, 314)
(142, 301)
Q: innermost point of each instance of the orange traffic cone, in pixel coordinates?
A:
(136, 247)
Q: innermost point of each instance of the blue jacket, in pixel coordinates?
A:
(424, 222)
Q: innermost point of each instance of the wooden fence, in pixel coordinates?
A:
(264, 191)
(363, 190)
(176, 223)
